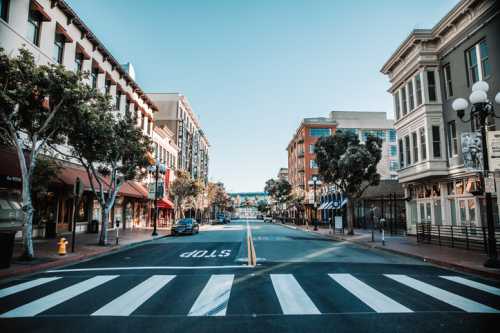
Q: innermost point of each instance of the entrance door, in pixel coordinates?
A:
(468, 211)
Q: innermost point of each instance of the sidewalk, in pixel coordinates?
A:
(85, 247)
(459, 259)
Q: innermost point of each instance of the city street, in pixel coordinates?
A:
(302, 283)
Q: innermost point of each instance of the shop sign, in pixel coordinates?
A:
(494, 150)
(472, 151)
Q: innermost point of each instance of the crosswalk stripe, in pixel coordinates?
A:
(442, 295)
(213, 299)
(135, 297)
(49, 301)
(293, 299)
(27, 285)
(371, 297)
(473, 284)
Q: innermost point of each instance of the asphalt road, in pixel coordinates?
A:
(302, 283)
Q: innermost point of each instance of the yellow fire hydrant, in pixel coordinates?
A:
(61, 248)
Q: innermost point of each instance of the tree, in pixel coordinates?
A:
(263, 206)
(279, 190)
(111, 148)
(182, 189)
(36, 103)
(350, 165)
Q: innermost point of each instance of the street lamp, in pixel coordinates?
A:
(314, 182)
(482, 108)
(156, 169)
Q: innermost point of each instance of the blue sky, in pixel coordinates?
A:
(253, 69)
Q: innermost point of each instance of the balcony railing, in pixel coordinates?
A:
(469, 237)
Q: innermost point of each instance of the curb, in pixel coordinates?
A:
(72, 260)
(444, 264)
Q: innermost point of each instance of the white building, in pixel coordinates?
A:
(54, 33)
(375, 124)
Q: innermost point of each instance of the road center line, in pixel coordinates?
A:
(97, 269)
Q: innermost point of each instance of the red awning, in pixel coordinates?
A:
(128, 190)
(165, 203)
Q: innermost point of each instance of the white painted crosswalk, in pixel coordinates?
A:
(442, 295)
(473, 284)
(370, 296)
(47, 302)
(131, 300)
(25, 286)
(293, 297)
(213, 299)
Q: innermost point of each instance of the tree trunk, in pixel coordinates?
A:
(103, 236)
(350, 217)
(28, 252)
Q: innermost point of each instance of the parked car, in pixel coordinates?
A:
(260, 217)
(185, 226)
(268, 219)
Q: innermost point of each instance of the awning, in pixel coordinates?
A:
(323, 205)
(165, 203)
(35, 6)
(60, 30)
(128, 190)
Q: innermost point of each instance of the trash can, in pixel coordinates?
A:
(94, 227)
(6, 248)
(50, 230)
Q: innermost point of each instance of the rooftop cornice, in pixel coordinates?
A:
(461, 9)
(73, 18)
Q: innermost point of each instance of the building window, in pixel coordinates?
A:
(94, 76)
(107, 86)
(375, 133)
(447, 81)
(415, 146)
(79, 62)
(478, 66)
(485, 64)
(423, 144)
(4, 10)
(393, 165)
(118, 101)
(311, 149)
(34, 26)
(411, 97)
(312, 164)
(452, 138)
(393, 150)
(392, 135)
(436, 142)
(407, 150)
(418, 87)
(59, 41)
(431, 84)
(320, 132)
(397, 105)
(403, 101)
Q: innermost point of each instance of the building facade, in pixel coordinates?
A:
(427, 72)
(176, 113)
(54, 34)
(375, 124)
(283, 174)
(302, 159)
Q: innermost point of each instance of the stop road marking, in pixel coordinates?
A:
(205, 254)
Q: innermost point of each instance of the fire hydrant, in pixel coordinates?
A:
(61, 248)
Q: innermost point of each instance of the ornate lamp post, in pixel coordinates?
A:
(314, 182)
(482, 108)
(155, 170)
